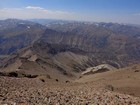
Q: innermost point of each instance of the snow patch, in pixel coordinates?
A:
(28, 27)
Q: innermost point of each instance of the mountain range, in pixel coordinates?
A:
(66, 48)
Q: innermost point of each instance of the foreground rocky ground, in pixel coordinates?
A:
(24, 91)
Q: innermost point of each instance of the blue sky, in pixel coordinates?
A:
(121, 11)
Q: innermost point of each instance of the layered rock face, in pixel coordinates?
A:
(97, 43)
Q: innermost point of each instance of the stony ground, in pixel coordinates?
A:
(24, 91)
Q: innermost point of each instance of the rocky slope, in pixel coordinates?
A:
(35, 92)
(125, 80)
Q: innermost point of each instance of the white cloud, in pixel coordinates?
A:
(35, 12)
(31, 12)
(33, 7)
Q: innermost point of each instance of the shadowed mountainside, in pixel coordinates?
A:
(16, 34)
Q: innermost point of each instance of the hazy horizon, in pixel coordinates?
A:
(116, 11)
